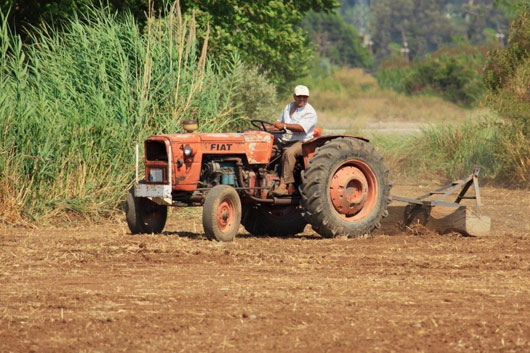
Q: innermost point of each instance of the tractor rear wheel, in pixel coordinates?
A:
(143, 215)
(221, 213)
(274, 221)
(345, 188)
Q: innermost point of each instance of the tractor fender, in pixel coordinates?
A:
(309, 147)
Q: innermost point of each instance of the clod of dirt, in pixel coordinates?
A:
(247, 316)
(418, 229)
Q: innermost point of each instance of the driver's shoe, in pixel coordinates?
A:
(281, 190)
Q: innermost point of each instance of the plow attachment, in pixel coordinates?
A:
(433, 211)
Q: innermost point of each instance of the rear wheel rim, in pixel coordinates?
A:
(226, 215)
(353, 190)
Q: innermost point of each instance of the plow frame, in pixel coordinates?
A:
(444, 216)
(447, 190)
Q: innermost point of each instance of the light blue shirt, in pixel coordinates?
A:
(305, 116)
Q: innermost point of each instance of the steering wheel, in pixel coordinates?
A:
(262, 125)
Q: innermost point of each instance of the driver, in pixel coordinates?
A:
(299, 119)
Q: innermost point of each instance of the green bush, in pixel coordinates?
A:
(452, 73)
(507, 75)
(255, 94)
(393, 74)
(453, 78)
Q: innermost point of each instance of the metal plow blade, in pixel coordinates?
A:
(433, 211)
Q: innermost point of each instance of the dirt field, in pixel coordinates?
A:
(99, 289)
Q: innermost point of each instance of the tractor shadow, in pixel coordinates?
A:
(295, 236)
(201, 236)
(184, 234)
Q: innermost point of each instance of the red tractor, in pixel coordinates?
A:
(342, 184)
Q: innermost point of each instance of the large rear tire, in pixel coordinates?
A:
(345, 188)
(143, 215)
(221, 213)
(274, 221)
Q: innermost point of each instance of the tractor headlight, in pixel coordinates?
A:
(156, 175)
(188, 151)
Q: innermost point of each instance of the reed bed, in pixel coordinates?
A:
(73, 105)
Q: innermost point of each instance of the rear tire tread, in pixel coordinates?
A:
(315, 187)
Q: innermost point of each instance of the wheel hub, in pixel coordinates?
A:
(225, 214)
(348, 190)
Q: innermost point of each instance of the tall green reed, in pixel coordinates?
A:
(73, 105)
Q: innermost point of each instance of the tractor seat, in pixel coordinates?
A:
(317, 131)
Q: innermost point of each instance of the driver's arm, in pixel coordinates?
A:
(293, 127)
(271, 128)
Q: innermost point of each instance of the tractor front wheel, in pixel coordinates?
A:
(143, 215)
(221, 213)
(345, 188)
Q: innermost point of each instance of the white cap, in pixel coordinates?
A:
(301, 91)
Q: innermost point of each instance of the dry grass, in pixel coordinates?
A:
(516, 155)
(11, 195)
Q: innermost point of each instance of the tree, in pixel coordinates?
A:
(27, 13)
(513, 6)
(336, 40)
(479, 16)
(262, 31)
(422, 24)
(357, 13)
(507, 78)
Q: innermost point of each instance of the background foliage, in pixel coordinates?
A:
(453, 73)
(424, 25)
(336, 40)
(507, 75)
(262, 32)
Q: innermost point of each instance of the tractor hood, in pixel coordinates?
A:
(255, 145)
(187, 152)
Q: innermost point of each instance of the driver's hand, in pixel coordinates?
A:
(278, 125)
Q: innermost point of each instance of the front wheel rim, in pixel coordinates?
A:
(226, 215)
(353, 190)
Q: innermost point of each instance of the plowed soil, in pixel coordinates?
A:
(96, 288)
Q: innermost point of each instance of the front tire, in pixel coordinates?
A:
(345, 188)
(143, 215)
(221, 213)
